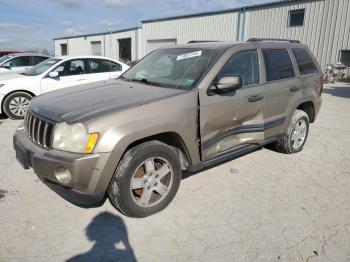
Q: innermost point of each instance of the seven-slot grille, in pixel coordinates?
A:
(39, 130)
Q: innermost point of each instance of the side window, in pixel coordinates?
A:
(244, 64)
(102, 66)
(72, 67)
(305, 63)
(278, 64)
(39, 59)
(19, 61)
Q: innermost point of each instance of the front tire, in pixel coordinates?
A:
(297, 133)
(146, 180)
(16, 105)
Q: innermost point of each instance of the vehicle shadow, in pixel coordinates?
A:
(110, 235)
(340, 91)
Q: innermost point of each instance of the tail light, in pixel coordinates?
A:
(321, 83)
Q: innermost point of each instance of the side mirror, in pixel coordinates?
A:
(227, 84)
(7, 67)
(53, 74)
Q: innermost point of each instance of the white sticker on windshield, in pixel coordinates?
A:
(51, 62)
(189, 55)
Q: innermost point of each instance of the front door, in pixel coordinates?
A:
(70, 73)
(233, 119)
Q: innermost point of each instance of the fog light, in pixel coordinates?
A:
(63, 175)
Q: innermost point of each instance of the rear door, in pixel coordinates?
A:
(70, 73)
(233, 119)
(283, 90)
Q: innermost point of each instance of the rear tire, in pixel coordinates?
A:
(294, 140)
(146, 180)
(16, 104)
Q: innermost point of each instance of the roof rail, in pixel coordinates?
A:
(201, 41)
(272, 40)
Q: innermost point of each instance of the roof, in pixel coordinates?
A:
(96, 34)
(206, 45)
(256, 6)
(81, 56)
(224, 45)
(29, 54)
(65, 57)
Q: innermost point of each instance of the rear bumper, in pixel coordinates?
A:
(89, 178)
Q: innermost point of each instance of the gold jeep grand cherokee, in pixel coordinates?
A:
(180, 108)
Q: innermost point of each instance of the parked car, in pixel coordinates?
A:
(8, 52)
(180, 108)
(19, 62)
(16, 90)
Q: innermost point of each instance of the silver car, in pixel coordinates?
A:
(19, 62)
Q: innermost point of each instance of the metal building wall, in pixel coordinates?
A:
(326, 27)
(210, 27)
(109, 44)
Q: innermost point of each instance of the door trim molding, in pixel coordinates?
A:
(249, 128)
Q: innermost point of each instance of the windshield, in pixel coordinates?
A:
(41, 67)
(178, 68)
(5, 57)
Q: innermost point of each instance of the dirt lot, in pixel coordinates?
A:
(264, 206)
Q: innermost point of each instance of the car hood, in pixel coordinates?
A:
(8, 75)
(84, 102)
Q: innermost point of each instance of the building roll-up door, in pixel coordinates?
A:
(155, 44)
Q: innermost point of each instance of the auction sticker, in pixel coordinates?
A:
(189, 55)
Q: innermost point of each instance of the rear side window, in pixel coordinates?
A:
(305, 63)
(102, 66)
(278, 64)
(39, 59)
(244, 64)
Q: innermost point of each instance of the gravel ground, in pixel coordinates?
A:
(264, 206)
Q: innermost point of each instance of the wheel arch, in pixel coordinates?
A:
(172, 139)
(309, 108)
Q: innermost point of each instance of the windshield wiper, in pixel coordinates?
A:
(145, 81)
(124, 78)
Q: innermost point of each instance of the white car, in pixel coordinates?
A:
(16, 90)
(19, 62)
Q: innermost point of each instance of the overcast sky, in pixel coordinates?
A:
(32, 24)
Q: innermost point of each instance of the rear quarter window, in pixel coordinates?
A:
(305, 64)
(278, 64)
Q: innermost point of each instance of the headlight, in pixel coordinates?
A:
(1, 85)
(74, 138)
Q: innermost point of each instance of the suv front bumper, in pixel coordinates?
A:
(89, 179)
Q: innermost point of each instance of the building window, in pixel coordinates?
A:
(96, 48)
(64, 49)
(344, 57)
(296, 17)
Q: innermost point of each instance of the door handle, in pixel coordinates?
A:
(294, 89)
(255, 98)
(81, 79)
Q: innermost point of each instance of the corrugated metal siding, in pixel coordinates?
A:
(326, 27)
(213, 27)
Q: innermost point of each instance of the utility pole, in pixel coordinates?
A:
(110, 39)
